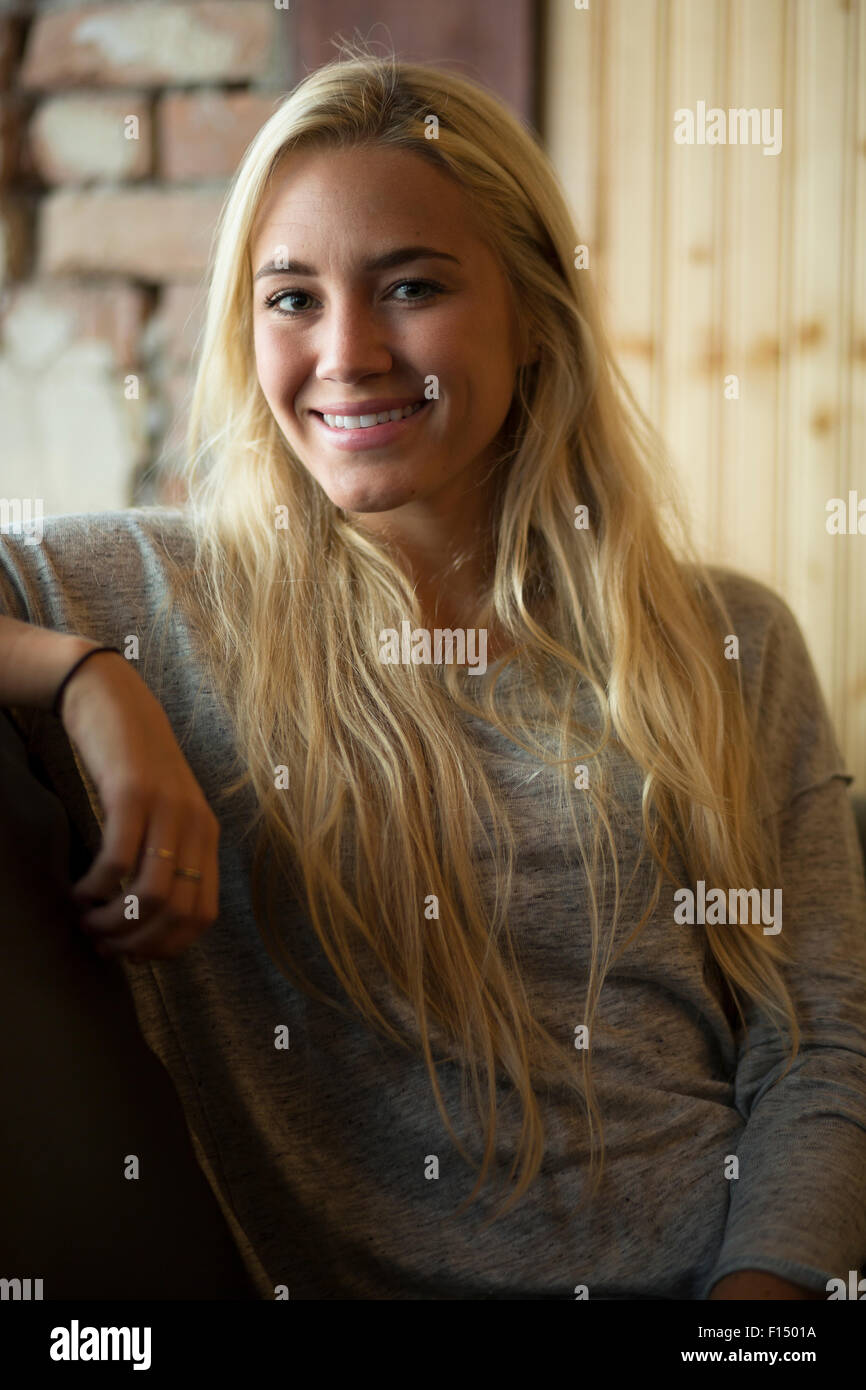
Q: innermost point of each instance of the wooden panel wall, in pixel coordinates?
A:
(719, 259)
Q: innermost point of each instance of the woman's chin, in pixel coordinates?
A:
(365, 501)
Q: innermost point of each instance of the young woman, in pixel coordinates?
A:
(542, 975)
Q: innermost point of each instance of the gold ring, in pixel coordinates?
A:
(163, 853)
(188, 873)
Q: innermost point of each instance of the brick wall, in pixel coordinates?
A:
(120, 125)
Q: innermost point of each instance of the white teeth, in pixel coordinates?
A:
(354, 422)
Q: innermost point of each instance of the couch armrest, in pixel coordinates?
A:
(80, 1089)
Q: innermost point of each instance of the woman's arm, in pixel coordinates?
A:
(798, 1205)
(149, 796)
(755, 1283)
(34, 660)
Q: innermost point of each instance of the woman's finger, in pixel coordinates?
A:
(189, 908)
(150, 882)
(118, 854)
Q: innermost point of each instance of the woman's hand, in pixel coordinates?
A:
(149, 798)
(754, 1283)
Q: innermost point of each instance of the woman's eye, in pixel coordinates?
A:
(279, 296)
(274, 299)
(429, 285)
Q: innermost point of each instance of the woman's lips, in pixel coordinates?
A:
(373, 436)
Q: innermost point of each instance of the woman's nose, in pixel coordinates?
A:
(354, 340)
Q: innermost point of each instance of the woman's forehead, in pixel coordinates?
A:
(339, 195)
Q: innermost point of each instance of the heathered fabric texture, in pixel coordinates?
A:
(318, 1153)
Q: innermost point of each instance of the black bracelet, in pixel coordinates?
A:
(69, 674)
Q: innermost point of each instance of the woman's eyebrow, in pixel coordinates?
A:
(399, 256)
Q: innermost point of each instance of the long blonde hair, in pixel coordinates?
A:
(386, 789)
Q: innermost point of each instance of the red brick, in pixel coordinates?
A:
(150, 44)
(11, 34)
(81, 138)
(177, 393)
(148, 233)
(67, 312)
(174, 328)
(203, 135)
(11, 132)
(16, 236)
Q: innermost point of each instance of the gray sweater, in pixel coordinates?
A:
(319, 1153)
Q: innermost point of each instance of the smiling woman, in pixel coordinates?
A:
(337, 335)
(513, 1071)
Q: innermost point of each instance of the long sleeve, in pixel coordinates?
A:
(798, 1207)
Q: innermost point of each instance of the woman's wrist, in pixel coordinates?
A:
(34, 660)
(72, 672)
(78, 678)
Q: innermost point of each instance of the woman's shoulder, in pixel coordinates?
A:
(782, 684)
(76, 534)
(758, 626)
(750, 602)
(138, 524)
(56, 567)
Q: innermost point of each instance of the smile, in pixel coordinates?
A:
(370, 431)
(366, 422)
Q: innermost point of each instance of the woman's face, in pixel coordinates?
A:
(343, 336)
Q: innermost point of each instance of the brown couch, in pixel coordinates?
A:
(81, 1089)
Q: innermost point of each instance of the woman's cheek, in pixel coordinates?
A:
(271, 378)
